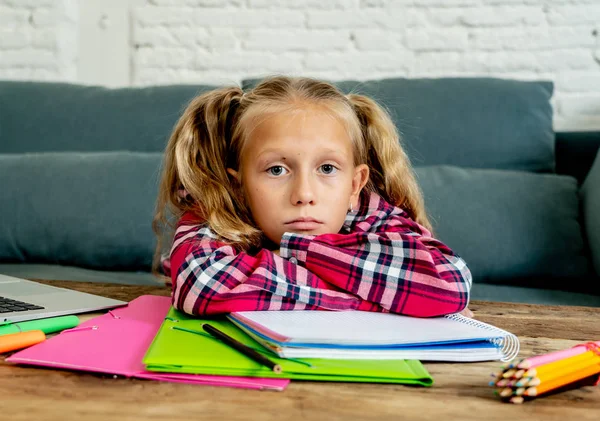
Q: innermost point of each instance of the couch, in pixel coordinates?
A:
(79, 168)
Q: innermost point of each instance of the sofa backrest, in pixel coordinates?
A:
(57, 117)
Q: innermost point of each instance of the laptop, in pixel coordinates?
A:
(22, 300)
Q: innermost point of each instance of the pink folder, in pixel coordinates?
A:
(116, 342)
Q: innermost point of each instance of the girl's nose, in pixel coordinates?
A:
(302, 191)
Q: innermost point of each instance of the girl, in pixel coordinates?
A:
(294, 196)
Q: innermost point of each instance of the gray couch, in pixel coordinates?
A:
(79, 168)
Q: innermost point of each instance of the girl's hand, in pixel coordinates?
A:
(467, 313)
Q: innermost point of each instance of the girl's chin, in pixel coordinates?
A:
(317, 231)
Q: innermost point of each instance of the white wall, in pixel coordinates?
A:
(141, 42)
(38, 39)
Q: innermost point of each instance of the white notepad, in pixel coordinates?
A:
(368, 335)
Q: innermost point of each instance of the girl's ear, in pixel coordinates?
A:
(233, 173)
(359, 180)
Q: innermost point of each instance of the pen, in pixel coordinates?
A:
(247, 351)
(15, 341)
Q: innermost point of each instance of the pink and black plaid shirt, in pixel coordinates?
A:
(381, 260)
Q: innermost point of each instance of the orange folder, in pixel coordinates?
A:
(20, 340)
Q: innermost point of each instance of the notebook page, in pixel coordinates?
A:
(362, 328)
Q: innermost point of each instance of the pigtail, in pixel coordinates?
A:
(391, 174)
(195, 174)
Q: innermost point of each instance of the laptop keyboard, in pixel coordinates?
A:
(8, 306)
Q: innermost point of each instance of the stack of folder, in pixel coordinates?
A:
(181, 346)
(149, 339)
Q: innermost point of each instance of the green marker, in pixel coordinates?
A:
(49, 325)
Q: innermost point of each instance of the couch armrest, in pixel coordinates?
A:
(590, 196)
(575, 152)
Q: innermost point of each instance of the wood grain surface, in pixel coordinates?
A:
(460, 391)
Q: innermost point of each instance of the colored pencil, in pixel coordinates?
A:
(563, 381)
(560, 372)
(517, 399)
(502, 383)
(522, 375)
(508, 374)
(538, 360)
(560, 364)
(588, 381)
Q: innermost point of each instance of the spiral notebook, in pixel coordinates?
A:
(367, 335)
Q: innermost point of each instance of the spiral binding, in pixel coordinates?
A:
(507, 342)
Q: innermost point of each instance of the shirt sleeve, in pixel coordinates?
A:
(389, 260)
(211, 277)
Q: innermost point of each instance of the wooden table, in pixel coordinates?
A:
(460, 391)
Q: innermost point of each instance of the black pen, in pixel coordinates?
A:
(237, 345)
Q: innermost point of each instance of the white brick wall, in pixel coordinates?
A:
(224, 41)
(38, 39)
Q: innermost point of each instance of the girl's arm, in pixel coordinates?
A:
(390, 260)
(397, 268)
(210, 277)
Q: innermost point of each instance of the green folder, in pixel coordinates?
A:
(48, 325)
(181, 346)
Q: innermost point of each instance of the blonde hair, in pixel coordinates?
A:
(210, 135)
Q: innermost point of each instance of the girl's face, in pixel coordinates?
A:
(297, 170)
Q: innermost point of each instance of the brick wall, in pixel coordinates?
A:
(38, 39)
(223, 41)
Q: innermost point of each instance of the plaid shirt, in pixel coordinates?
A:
(381, 260)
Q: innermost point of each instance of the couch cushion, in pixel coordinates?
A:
(467, 122)
(75, 273)
(510, 227)
(590, 197)
(43, 117)
(515, 294)
(87, 209)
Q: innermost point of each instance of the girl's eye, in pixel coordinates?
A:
(276, 170)
(328, 169)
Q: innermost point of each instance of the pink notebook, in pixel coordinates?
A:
(116, 342)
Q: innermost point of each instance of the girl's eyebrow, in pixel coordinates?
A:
(268, 151)
(329, 154)
(281, 152)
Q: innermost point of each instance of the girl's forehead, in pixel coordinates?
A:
(301, 122)
(306, 123)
